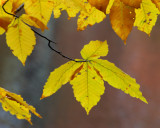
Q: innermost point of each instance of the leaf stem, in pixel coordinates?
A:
(49, 41)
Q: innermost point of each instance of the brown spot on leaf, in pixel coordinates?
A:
(89, 67)
(98, 73)
(93, 55)
(148, 13)
(12, 98)
(76, 72)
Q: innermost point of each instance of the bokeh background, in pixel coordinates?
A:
(140, 58)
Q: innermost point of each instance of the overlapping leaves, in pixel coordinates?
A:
(87, 78)
(124, 14)
(16, 105)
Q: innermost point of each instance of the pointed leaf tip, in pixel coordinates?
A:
(88, 87)
(42, 97)
(122, 19)
(118, 79)
(59, 77)
(21, 39)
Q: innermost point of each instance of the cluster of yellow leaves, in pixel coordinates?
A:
(124, 14)
(87, 77)
(20, 38)
(16, 106)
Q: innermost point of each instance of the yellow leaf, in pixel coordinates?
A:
(132, 3)
(94, 50)
(89, 15)
(39, 9)
(21, 39)
(157, 3)
(16, 106)
(32, 21)
(146, 16)
(122, 18)
(87, 77)
(59, 77)
(118, 79)
(88, 87)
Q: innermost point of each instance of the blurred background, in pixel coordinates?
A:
(140, 58)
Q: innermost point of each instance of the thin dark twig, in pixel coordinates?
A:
(43, 36)
(49, 44)
(49, 41)
(8, 12)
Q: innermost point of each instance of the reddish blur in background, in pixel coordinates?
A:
(140, 58)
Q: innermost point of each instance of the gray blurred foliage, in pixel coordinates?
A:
(139, 58)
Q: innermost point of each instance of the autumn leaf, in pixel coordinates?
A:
(89, 15)
(21, 39)
(146, 16)
(59, 77)
(87, 78)
(122, 18)
(88, 86)
(39, 11)
(16, 106)
(32, 21)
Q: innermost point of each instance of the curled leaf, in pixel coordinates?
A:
(16, 105)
